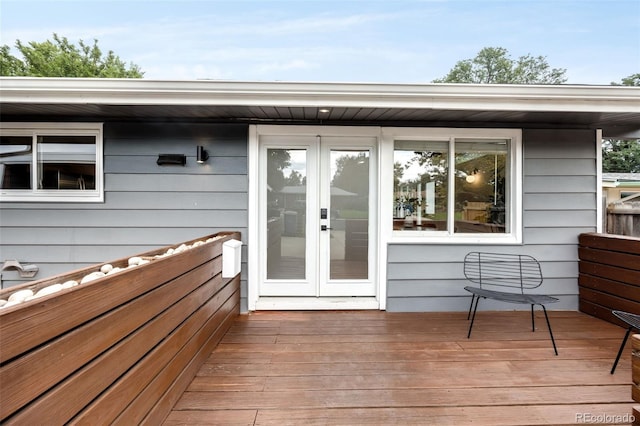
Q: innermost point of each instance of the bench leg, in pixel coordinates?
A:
(624, 341)
(533, 323)
(473, 317)
(473, 296)
(550, 332)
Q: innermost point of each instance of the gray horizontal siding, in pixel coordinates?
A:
(106, 236)
(170, 182)
(443, 254)
(552, 269)
(461, 304)
(577, 167)
(124, 218)
(455, 287)
(558, 144)
(152, 200)
(147, 165)
(559, 184)
(559, 203)
(548, 235)
(146, 206)
(561, 219)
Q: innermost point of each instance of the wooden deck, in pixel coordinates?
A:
(369, 367)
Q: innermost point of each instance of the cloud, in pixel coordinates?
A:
(187, 72)
(295, 64)
(256, 27)
(289, 63)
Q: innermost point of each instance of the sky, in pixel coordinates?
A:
(372, 41)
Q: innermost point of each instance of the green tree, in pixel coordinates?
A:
(632, 80)
(60, 58)
(493, 65)
(621, 156)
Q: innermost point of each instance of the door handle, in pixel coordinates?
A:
(324, 228)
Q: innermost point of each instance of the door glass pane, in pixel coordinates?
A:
(286, 213)
(420, 182)
(481, 176)
(349, 215)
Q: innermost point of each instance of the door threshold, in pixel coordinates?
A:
(316, 303)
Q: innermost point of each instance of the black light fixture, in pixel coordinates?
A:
(171, 160)
(201, 154)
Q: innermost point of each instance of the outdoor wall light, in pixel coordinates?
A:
(201, 155)
(171, 160)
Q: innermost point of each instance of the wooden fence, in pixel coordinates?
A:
(624, 219)
(609, 275)
(120, 349)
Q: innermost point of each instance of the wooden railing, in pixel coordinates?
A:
(121, 349)
(609, 275)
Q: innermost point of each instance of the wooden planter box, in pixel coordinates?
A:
(609, 275)
(120, 349)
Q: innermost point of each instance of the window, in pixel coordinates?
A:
(455, 184)
(420, 181)
(480, 186)
(50, 162)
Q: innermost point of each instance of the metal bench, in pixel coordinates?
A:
(505, 277)
(633, 322)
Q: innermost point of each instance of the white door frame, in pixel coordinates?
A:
(254, 301)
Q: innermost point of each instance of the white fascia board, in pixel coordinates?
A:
(424, 96)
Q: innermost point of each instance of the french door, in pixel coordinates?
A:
(317, 216)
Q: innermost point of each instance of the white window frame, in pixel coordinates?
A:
(56, 129)
(515, 195)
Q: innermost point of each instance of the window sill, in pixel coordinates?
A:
(435, 237)
(30, 197)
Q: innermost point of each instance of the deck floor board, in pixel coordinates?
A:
(369, 367)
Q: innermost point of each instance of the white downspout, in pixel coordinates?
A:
(599, 198)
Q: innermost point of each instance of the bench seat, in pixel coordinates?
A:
(504, 296)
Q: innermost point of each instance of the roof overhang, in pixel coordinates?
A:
(615, 108)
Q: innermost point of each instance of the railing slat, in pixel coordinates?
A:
(609, 276)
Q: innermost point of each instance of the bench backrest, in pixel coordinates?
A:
(503, 270)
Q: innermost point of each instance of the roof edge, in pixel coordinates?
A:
(579, 98)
